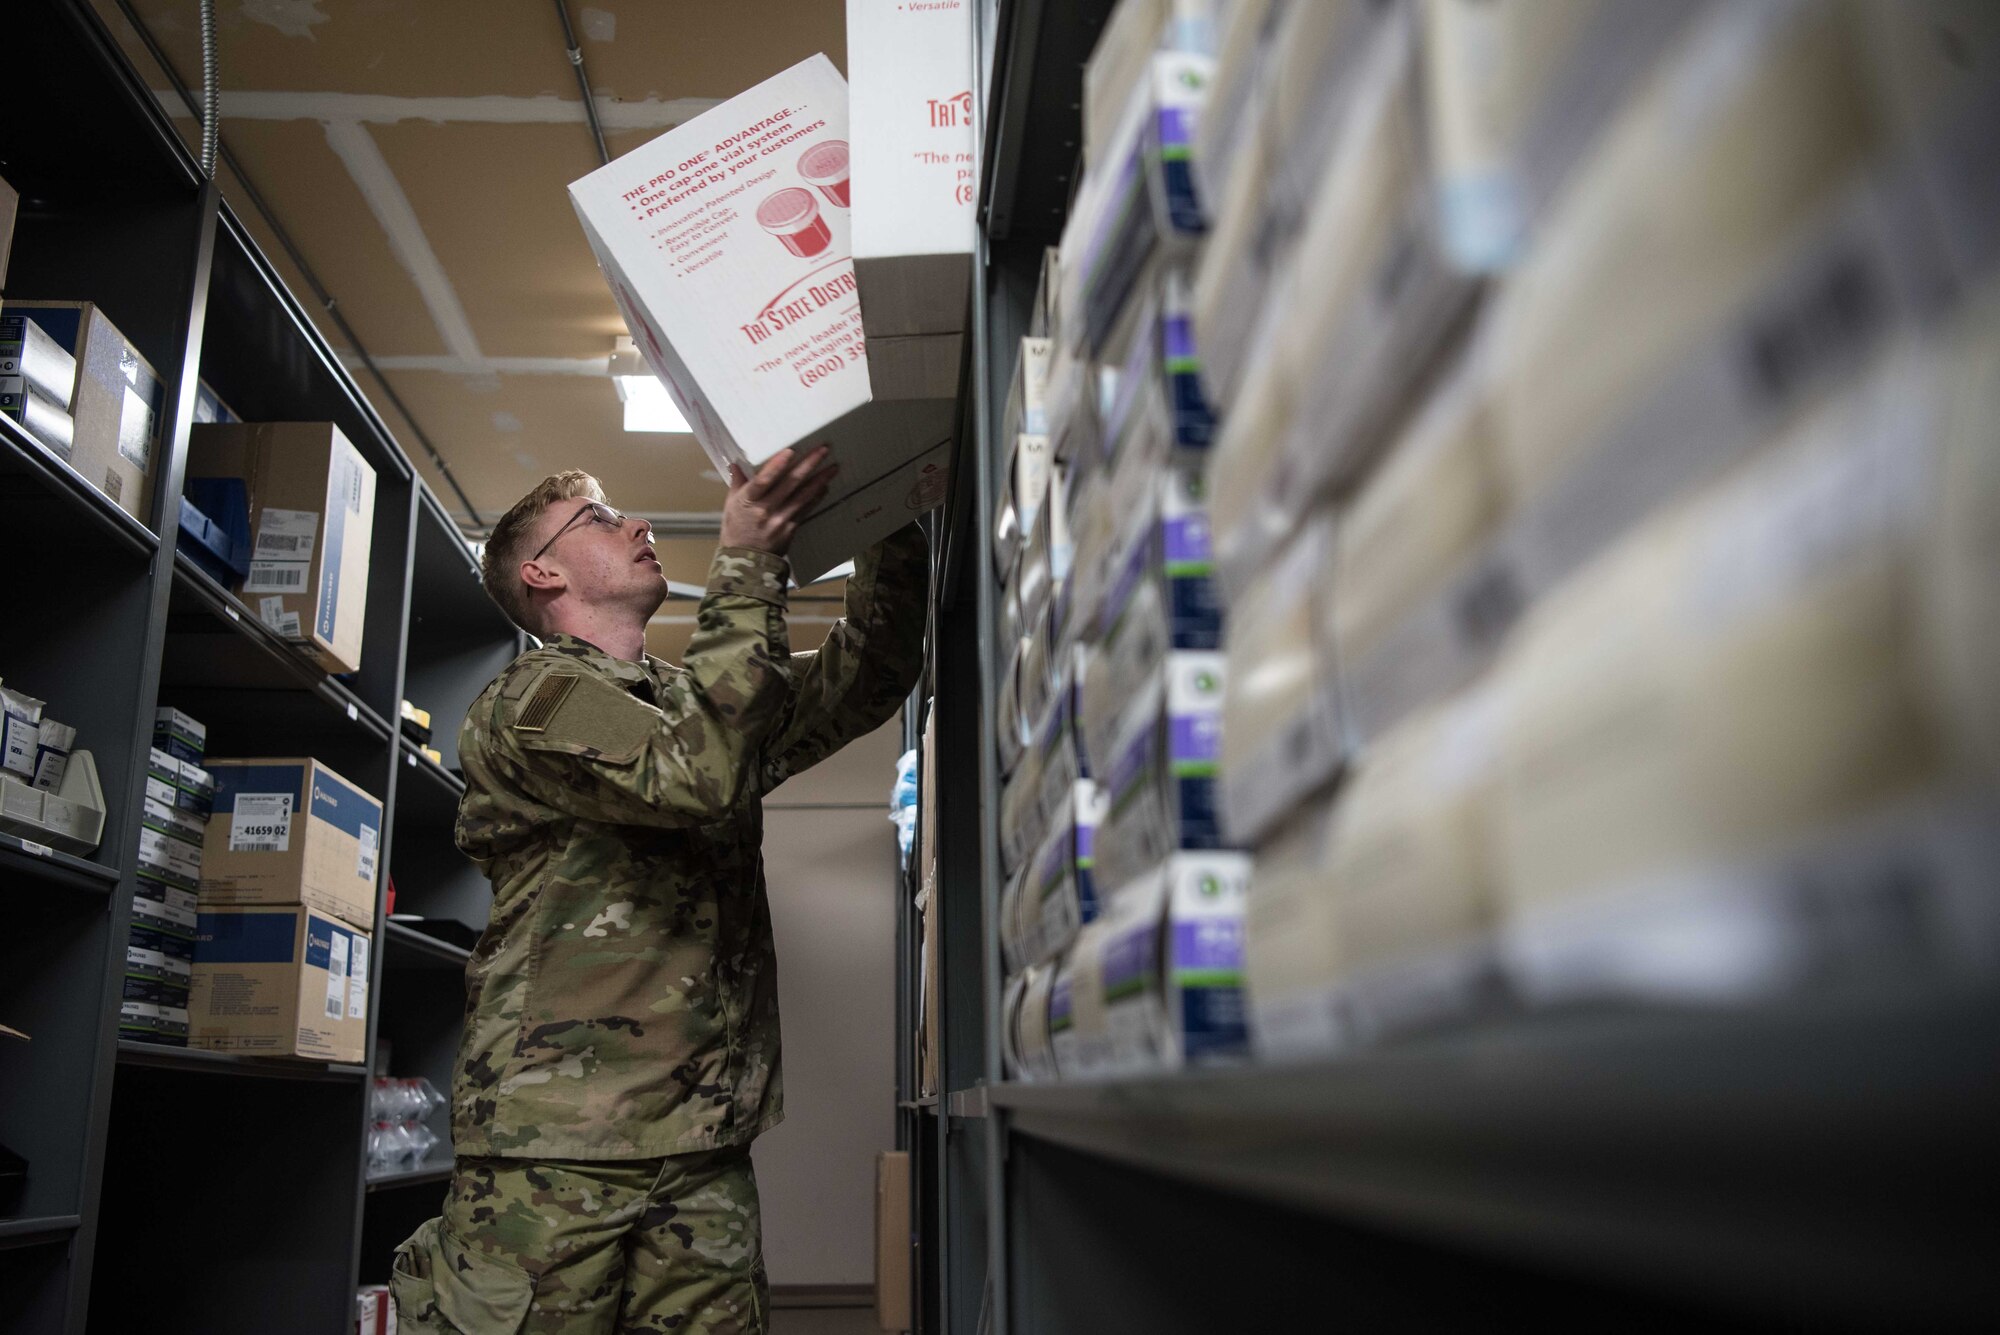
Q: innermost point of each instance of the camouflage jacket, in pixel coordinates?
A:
(623, 1002)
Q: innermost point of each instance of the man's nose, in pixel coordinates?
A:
(645, 526)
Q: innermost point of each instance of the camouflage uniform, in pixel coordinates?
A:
(621, 1040)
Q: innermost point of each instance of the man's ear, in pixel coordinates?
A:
(547, 579)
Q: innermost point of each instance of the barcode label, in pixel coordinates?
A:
(365, 864)
(336, 976)
(276, 577)
(357, 981)
(286, 535)
(262, 823)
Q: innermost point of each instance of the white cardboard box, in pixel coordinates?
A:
(910, 115)
(726, 242)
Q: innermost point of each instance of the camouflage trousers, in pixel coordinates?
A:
(590, 1249)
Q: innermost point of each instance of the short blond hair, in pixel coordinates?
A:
(506, 548)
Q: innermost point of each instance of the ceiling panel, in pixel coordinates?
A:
(504, 433)
(494, 203)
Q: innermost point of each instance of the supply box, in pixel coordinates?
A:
(312, 512)
(291, 832)
(726, 242)
(279, 980)
(910, 104)
(114, 402)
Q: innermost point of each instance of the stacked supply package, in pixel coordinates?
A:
(37, 381)
(1589, 382)
(159, 960)
(49, 794)
(1122, 920)
(97, 405)
(287, 906)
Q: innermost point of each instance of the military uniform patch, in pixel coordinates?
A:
(548, 698)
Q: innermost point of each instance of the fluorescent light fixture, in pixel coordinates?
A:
(647, 405)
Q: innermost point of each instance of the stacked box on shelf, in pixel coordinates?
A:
(1571, 755)
(37, 380)
(287, 905)
(1130, 685)
(311, 502)
(114, 401)
(159, 960)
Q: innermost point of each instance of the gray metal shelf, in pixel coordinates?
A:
(409, 948)
(53, 867)
(160, 1056)
(215, 643)
(29, 1232)
(25, 462)
(1843, 1142)
(119, 1141)
(429, 1170)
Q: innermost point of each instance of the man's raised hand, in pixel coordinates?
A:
(763, 512)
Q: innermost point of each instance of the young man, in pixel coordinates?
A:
(621, 1040)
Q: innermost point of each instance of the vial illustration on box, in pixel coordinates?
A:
(825, 167)
(792, 215)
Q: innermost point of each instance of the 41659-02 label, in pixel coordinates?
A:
(262, 823)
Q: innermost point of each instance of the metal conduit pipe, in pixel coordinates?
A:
(284, 238)
(211, 90)
(582, 82)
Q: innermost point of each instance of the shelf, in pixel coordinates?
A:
(1034, 132)
(1841, 1148)
(441, 779)
(162, 1057)
(430, 1170)
(30, 472)
(208, 630)
(409, 948)
(53, 867)
(30, 1231)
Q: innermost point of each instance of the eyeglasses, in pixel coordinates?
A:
(596, 512)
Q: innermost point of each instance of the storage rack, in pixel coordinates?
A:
(1813, 1164)
(171, 1189)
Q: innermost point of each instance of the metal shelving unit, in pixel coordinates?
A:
(244, 1177)
(1820, 1162)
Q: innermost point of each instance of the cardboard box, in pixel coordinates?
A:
(892, 1236)
(181, 736)
(727, 248)
(10, 204)
(312, 509)
(30, 352)
(115, 402)
(910, 125)
(1161, 772)
(279, 980)
(152, 1023)
(1281, 735)
(290, 831)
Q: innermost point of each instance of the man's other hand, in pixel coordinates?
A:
(763, 512)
